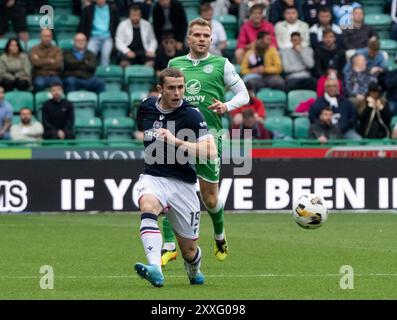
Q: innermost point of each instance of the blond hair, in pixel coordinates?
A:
(198, 22)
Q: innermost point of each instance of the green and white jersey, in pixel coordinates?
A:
(206, 79)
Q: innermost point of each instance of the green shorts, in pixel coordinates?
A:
(210, 171)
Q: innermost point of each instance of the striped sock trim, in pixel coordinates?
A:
(196, 259)
(148, 215)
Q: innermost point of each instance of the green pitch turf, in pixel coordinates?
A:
(270, 258)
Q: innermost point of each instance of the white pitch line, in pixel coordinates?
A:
(269, 275)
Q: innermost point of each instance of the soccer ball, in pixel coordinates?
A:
(309, 211)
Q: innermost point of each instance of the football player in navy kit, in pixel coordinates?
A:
(175, 135)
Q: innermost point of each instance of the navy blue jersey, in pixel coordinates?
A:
(162, 159)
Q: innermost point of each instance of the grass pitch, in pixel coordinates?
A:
(270, 258)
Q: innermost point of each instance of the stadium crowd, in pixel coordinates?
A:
(280, 45)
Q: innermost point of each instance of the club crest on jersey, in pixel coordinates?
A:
(208, 68)
(157, 124)
(193, 86)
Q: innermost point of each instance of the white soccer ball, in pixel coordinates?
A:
(310, 211)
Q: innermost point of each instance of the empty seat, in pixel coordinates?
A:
(39, 99)
(139, 78)
(229, 22)
(19, 100)
(66, 44)
(275, 101)
(231, 45)
(113, 104)
(84, 102)
(390, 46)
(112, 75)
(88, 128)
(280, 125)
(380, 22)
(301, 127)
(136, 98)
(120, 128)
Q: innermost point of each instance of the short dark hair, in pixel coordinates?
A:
(25, 108)
(56, 84)
(134, 7)
(168, 35)
(205, 7)
(325, 9)
(248, 113)
(169, 72)
(326, 108)
(295, 33)
(328, 30)
(262, 34)
(7, 47)
(290, 8)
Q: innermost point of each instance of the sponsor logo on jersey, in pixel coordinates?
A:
(157, 124)
(208, 68)
(193, 86)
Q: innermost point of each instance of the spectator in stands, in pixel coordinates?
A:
(394, 18)
(324, 23)
(99, 23)
(250, 128)
(291, 24)
(375, 117)
(58, 115)
(341, 16)
(80, 66)
(5, 116)
(357, 36)
(254, 104)
(169, 15)
(345, 114)
(47, 62)
(297, 63)
(331, 73)
(328, 53)
(14, 11)
(135, 40)
(311, 9)
(145, 5)
(15, 68)
(28, 129)
(166, 52)
(357, 78)
(249, 32)
(376, 62)
(323, 128)
(219, 37)
(245, 5)
(390, 83)
(277, 9)
(261, 65)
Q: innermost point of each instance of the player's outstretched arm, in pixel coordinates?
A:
(204, 148)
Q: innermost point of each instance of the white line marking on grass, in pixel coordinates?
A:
(266, 275)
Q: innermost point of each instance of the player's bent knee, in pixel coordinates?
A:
(149, 203)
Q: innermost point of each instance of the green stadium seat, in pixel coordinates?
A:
(112, 75)
(139, 78)
(230, 24)
(229, 95)
(275, 101)
(88, 128)
(231, 46)
(191, 15)
(279, 124)
(113, 104)
(66, 44)
(226, 123)
(390, 46)
(62, 6)
(297, 96)
(84, 102)
(33, 21)
(381, 23)
(3, 43)
(301, 127)
(39, 99)
(393, 122)
(136, 98)
(120, 128)
(373, 6)
(66, 26)
(237, 67)
(19, 100)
